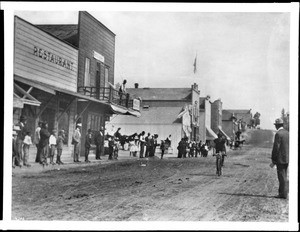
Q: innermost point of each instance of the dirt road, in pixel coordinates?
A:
(163, 190)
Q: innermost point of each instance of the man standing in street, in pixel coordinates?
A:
(37, 138)
(76, 143)
(43, 144)
(142, 144)
(147, 144)
(20, 137)
(280, 157)
(99, 141)
(87, 145)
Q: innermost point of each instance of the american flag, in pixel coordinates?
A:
(195, 64)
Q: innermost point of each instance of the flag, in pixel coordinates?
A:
(195, 64)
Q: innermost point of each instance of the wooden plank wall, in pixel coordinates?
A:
(37, 54)
(94, 36)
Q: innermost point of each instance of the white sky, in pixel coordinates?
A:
(242, 57)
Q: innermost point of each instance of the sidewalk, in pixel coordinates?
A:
(67, 159)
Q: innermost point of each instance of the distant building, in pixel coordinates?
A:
(216, 118)
(205, 131)
(234, 120)
(164, 111)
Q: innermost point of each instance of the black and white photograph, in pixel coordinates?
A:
(150, 116)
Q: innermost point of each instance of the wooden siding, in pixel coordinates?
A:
(29, 65)
(93, 36)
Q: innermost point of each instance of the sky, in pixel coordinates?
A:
(243, 58)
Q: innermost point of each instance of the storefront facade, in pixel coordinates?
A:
(95, 76)
(45, 76)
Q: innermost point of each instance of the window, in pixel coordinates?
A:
(145, 107)
(87, 76)
(106, 76)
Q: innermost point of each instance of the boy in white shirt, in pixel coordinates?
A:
(52, 145)
(27, 142)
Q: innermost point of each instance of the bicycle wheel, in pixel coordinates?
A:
(219, 166)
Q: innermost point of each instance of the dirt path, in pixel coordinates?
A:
(170, 189)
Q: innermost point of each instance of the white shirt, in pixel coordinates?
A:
(27, 140)
(52, 140)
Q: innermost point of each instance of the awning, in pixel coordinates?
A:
(223, 133)
(134, 113)
(210, 134)
(53, 89)
(22, 96)
(121, 110)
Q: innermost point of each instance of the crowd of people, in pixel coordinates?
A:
(192, 148)
(50, 144)
(142, 145)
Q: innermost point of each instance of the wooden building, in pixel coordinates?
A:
(234, 120)
(64, 74)
(164, 111)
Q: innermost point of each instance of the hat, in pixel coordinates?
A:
(16, 128)
(22, 118)
(278, 121)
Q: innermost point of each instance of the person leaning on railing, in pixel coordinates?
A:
(122, 91)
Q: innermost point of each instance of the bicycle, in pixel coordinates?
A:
(219, 162)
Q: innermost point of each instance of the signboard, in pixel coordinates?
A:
(136, 104)
(41, 57)
(98, 56)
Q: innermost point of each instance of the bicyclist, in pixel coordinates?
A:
(220, 147)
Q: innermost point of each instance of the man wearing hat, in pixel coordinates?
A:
(76, 142)
(280, 157)
(20, 137)
(14, 146)
(44, 143)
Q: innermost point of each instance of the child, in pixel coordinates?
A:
(88, 142)
(14, 148)
(52, 145)
(27, 142)
(60, 143)
(163, 148)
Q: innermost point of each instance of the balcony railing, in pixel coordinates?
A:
(108, 94)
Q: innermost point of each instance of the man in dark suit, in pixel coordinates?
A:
(280, 157)
(99, 142)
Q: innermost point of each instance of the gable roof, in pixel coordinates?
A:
(239, 111)
(66, 32)
(227, 114)
(161, 94)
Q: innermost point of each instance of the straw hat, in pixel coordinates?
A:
(278, 121)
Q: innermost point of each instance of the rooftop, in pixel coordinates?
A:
(161, 94)
(227, 114)
(66, 32)
(154, 115)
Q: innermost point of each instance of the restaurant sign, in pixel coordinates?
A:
(53, 58)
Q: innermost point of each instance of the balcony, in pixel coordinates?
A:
(108, 94)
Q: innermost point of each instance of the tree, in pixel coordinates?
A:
(255, 121)
(285, 116)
